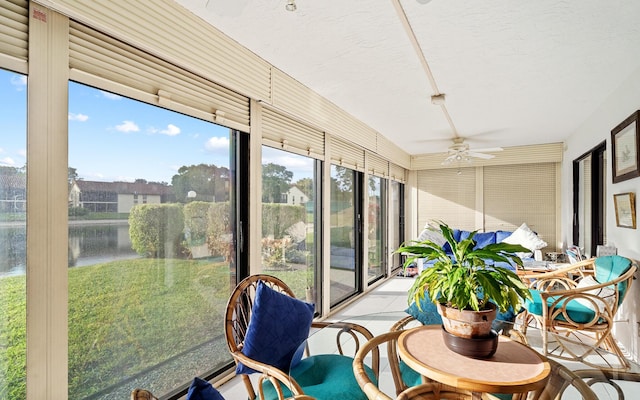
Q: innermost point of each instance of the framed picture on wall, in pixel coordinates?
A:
(624, 144)
(625, 204)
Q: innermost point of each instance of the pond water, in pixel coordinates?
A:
(90, 242)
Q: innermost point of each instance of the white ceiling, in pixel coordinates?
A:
(514, 72)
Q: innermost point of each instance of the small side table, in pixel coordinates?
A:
(514, 368)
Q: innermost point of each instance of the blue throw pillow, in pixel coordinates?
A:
(279, 324)
(427, 314)
(484, 238)
(202, 390)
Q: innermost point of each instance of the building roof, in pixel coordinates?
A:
(125, 187)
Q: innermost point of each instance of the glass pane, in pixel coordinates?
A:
(13, 238)
(395, 230)
(150, 246)
(377, 261)
(343, 227)
(289, 189)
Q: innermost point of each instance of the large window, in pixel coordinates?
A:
(151, 246)
(13, 239)
(289, 220)
(345, 247)
(377, 228)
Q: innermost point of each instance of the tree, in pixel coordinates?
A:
(72, 174)
(276, 180)
(207, 181)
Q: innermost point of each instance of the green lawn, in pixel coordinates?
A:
(124, 317)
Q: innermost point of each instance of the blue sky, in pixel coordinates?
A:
(113, 138)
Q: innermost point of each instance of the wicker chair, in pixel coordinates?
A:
(560, 379)
(609, 377)
(425, 390)
(276, 383)
(564, 307)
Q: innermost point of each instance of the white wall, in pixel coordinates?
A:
(619, 105)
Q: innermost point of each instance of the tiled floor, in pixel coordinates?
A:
(388, 296)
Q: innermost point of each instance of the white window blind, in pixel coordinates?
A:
(447, 195)
(287, 134)
(14, 28)
(95, 58)
(524, 193)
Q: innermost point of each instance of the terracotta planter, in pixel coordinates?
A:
(468, 324)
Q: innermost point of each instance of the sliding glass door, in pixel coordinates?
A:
(346, 229)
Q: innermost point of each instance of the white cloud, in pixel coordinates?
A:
(7, 161)
(78, 117)
(217, 143)
(171, 130)
(127, 126)
(110, 96)
(300, 166)
(19, 81)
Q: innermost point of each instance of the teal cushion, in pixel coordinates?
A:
(409, 376)
(279, 324)
(325, 376)
(427, 314)
(609, 268)
(576, 311)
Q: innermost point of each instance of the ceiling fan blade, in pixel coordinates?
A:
(480, 155)
(449, 160)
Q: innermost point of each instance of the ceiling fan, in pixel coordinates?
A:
(460, 152)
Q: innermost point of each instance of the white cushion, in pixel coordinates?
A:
(525, 237)
(607, 293)
(432, 234)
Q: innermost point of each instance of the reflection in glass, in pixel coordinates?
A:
(150, 246)
(396, 227)
(13, 239)
(342, 236)
(377, 260)
(289, 190)
(376, 233)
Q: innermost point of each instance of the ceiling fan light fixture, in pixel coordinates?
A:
(291, 5)
(437, 99)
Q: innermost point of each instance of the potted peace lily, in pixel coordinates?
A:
(468, 287)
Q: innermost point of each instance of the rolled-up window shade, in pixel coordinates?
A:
(14, 29)
(95, 57)
(288, 134)
(377, 165)
(397, 173)
(347, 154)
